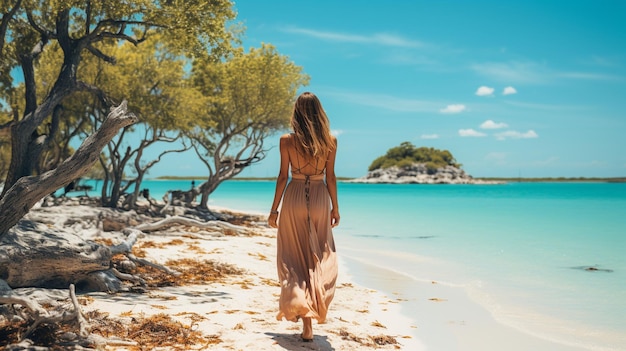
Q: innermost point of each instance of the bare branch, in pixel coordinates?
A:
(4, 25)
(87, 17)
(99, 54)
(145, 262)
(100, 32)
(43, 32)
(99, 93)
(128, 38)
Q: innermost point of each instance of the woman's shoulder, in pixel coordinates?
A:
(286, 137)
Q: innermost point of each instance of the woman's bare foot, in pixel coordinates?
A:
(307, 329)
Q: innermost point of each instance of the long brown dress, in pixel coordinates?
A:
(306, 257)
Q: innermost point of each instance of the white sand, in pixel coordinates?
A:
(242, 311)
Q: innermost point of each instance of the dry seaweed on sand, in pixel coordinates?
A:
(192, 271)
(369, 341)
(161, 330)
(157, 331)
(152, 332)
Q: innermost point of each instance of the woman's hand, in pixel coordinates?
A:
(272, 220)
(334, 217)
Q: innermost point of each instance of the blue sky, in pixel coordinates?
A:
(511, 88)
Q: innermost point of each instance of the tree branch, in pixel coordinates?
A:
(43, 32)
(4, 24)
(87, 17)
(21, 197)
(99, 54)
(99, 93)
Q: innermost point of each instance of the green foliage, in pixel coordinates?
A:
(406, 154)
(246, 93)
(249, 96)
(65, 50)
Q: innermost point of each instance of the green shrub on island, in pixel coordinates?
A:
(407, 154)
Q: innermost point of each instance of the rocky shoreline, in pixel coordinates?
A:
(419, 174)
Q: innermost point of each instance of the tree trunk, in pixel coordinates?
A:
(206, 189)
(22, 131)
(21, 197)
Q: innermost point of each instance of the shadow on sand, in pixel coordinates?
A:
(294, 342)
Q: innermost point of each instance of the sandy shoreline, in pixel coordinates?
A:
(446, 318)
(238, 312)
(242, 310)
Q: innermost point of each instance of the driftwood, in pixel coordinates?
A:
(178, 220)
(33, 312)
(53, 247)
(34, 255)
(41, 255)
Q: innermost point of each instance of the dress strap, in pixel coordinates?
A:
(298, 167)
(313, 177)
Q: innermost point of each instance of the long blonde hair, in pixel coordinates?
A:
(311, 127)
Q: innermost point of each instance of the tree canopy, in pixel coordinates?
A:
(29, 28)
(177, 63)
(406, 154)
(249, 96)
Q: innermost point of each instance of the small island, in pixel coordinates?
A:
(407, 164)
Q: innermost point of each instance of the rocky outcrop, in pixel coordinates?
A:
(419, 174)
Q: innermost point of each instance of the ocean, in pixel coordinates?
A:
(534, 255)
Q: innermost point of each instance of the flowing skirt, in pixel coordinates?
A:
(306, 257)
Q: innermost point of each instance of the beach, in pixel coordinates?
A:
(408, 280)
(236, 311)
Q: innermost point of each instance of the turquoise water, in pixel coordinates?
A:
(516, 248)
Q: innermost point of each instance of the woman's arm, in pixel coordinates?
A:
(331, 184)
(281, 181)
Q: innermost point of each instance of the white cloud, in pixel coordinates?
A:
(484, 91)
(489, 124)
(509, 91)
(453, 109)
(533, 73)
(511, 134)
(429, 136)
(471, 133)
(526, 72)
(336, 132)
(384, 101)
(588, 76)
(378, 38)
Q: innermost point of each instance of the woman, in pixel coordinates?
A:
(306, 257)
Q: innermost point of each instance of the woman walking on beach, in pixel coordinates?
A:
(306, 257)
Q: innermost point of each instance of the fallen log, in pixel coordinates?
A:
(178, 220)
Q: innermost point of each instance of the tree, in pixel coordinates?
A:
(406, 155)
(250, 96)
(155, 80)
(21, 197)
(28, 28)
